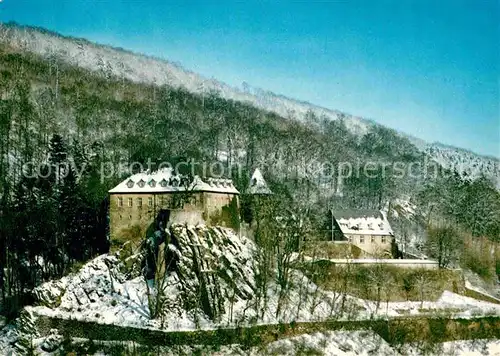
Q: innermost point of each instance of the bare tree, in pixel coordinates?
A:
(443, 243)
(423, 283)
(377, 277)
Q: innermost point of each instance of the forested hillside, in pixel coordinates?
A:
(62, 128)
(139, 68)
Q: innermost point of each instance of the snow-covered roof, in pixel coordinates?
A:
(362, 222)
(257, 184)
(165, 181)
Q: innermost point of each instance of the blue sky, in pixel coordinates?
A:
(428, 68)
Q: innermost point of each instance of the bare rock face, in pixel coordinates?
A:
(213, 264)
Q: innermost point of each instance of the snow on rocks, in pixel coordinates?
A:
(210, 284)
(213, 264)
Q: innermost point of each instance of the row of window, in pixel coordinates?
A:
(130, 202)
(383, 239)
(173, 182)
(163, 200)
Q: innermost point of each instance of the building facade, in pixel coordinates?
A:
(144, 199)
(367, 229)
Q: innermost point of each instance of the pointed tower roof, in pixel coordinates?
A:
(258, 185)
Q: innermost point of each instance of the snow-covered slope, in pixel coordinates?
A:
(211, 265)
(215, 264)
(140, 68)
(121, 63)
(468, 164)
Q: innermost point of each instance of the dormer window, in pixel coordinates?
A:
(152, 183)
(174, 182)
(130, 183)
(141, 183)
(164, 183)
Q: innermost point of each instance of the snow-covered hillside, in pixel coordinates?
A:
(140, 68)
(468, 164)
(121, 63)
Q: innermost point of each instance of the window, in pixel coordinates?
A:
(174, 181)
(130, 202)
(120, 201)
(373, 239)
(139, 202)
(130, 183)
(141, 183)
(361, 239)
(152, 183)
(150, 201)
(349, 238)
(164, 183)
(383, 239)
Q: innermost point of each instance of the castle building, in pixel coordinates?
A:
(142, 199)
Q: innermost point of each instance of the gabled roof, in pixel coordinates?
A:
(362, 222)
(257, 184)
(165, 181)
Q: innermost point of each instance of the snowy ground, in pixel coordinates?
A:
(333, 343)
(459, 306)
(456, 348)
(476, 283)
